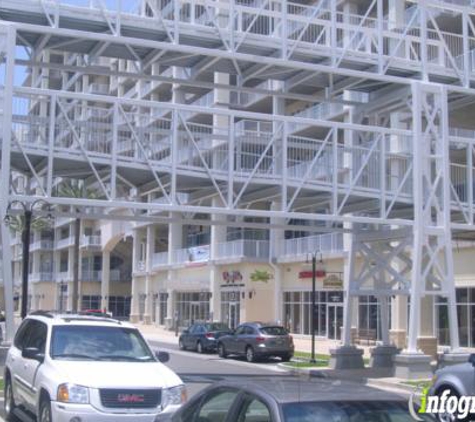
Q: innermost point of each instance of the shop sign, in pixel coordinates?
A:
(333, 281)
(261, 275)
(308, 273)
(232, 276)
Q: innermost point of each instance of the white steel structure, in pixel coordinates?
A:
(320, 115)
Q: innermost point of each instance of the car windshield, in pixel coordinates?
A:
(217, 327)
(273, 331)
(382, 411)
(81, 342)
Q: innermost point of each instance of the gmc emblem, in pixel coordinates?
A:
(130, 398)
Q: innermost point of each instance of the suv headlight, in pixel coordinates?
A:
(72, 393)
(174, 396)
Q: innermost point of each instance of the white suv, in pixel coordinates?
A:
(70, 368)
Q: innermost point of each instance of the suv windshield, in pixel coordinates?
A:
(79, 342)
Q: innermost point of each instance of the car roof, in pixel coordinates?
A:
(289, 389)
(54, 318)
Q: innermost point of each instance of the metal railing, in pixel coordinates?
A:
(91, 241)
(64, 243)
(91, 275)
(243, 248)
(159, 259)
(326, 243)
(42, 244)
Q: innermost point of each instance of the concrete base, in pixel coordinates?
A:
(383, 356)
(147, 319)
(134, 318)
(398, 338)
(346, 357)
(428, 346)
(452, 358)
(412, 366)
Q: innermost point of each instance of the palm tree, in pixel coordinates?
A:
(77, 190)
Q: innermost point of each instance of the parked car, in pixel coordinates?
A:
(293, 400)
(82, 368)
(202, 337)
(257, 340)
(458, 379)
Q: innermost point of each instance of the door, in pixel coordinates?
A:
(233, 345)
(335, 321)
(233, 315)
(36, 340)
(194, 312)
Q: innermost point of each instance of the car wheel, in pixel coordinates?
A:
(250, 355)
(286, 358)
(181, 345)
(199, 347)
(446, 416)
(9, 403)
(45, 411)
(222, 351)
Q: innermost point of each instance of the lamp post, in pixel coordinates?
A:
(61, 293)
(28, 209)
(313, 308)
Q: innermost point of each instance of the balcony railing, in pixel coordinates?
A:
(192, 254)
(64, 276)
(64, 243)
(243, 248)
(159, 259)
(91, 241)
(91, 275)
(325, 243)
(42, 244)
(41, 276)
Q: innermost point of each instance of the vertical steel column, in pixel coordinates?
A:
(9, 35)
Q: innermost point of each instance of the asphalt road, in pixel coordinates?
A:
(198, 371)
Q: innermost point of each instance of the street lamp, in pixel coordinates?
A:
(320, 273)
(28, 209)
(61, 293)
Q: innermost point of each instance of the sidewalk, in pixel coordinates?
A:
(302, 343)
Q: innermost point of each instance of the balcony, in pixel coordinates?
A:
(99, 89)
(299, 247)
(91, 275)
(64, 276)
(45, 244)
(62, 221)
(91, 241)
(243, 248)
(41, 276)
(65, 243)
(159, 259)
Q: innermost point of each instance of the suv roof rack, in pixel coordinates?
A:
(69, 318)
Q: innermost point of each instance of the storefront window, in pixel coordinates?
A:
(231, 308)
(119, 306)
(328, 316)
(90, 302)
(163, 309)
(192, 307)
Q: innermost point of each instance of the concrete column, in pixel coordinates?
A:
(147, 318)
(105, 284)
(170, 319)
(218, 235)
(276, 238)
(349, 9)
(69, 302)
(398, 330)
(427, 341)
(396, 14)
(134, 305)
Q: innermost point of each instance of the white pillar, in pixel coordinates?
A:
(105, 284)
(218, 235)
(147, 318)
(134, 303)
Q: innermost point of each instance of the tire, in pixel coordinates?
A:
(446, 417)
(250, 355)
(222, 351)
(199, 348)
(181, 345)
(45, 411)
(9, 403)
(286, 358)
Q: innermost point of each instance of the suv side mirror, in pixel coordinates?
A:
(471, 359)
(162, 356)
(33, 353)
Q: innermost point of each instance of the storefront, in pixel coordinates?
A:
(231, 308)
(191, 307)
(297, 308)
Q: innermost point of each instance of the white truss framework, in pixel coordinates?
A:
(334, 156)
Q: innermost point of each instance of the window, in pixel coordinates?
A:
(216, 407)
(254, 410)
(22, 333)
(240, 330)
(37, 338)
